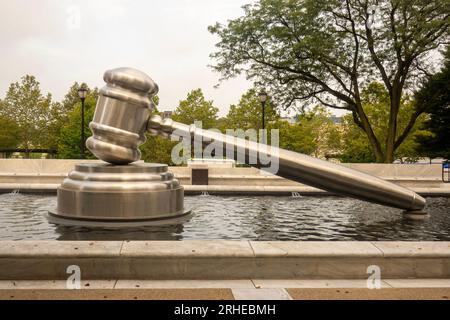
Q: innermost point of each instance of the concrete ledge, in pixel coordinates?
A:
(252, 190)
(187, 249)
(443, 191)
(35, 175)
(225, 260)
(429, 249)
(59, 249)
(29, 187)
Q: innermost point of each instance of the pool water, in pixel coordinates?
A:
(24, 217)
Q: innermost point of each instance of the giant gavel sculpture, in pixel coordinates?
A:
(125, 190)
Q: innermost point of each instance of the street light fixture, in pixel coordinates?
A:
(262, 95)
(82, 93)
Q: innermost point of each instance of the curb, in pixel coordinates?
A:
(228, 190)
(219, 259)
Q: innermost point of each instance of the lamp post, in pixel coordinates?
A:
(262, 95)
(82, 92)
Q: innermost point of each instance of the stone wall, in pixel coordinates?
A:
(52, 171)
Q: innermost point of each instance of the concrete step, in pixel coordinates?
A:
(223, 260)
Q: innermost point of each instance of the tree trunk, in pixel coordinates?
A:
(373, 140)
(392, 127)
(374, 143)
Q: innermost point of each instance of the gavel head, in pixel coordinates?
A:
(121, 115)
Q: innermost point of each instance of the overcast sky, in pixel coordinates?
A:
(63, 41)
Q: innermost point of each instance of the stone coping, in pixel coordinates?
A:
(442, 191)
(65, 165)
(220, 176)
(222, 259)
(225, 249)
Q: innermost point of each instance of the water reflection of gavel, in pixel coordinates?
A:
(124, 113)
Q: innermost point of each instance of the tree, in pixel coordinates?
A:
(376, 102)
(63, 114)
(56, 119)
(329, 51)
(72, 98)
(69, 140)
(9, 133)
(434, 97)
(157, 149)
(313, 133)
(247, 114)
(25, 105)
(196, 108)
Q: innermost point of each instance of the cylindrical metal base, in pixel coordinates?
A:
(123, 193)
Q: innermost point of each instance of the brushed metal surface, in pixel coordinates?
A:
(302, 168)
(131, 192)
(121, 114)
(116, 110)
(121, 191)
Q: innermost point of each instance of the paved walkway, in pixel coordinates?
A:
(228, 289)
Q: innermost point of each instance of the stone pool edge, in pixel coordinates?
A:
(235, 190)
(223, 259)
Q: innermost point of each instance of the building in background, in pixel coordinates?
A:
(166, 114)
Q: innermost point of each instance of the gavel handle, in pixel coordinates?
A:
(297, 167)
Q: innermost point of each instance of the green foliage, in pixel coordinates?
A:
(65, 110)
(375, 99)
(247, 114)
(355, 146)
(34, 121)
(27, 107)
(329, 51)
(222, 124)
(434, 96)
(313, 133)
(72, 98)
(9, 132)
(196, 108)
(56, 119)
(157, 149)
(69, 140)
